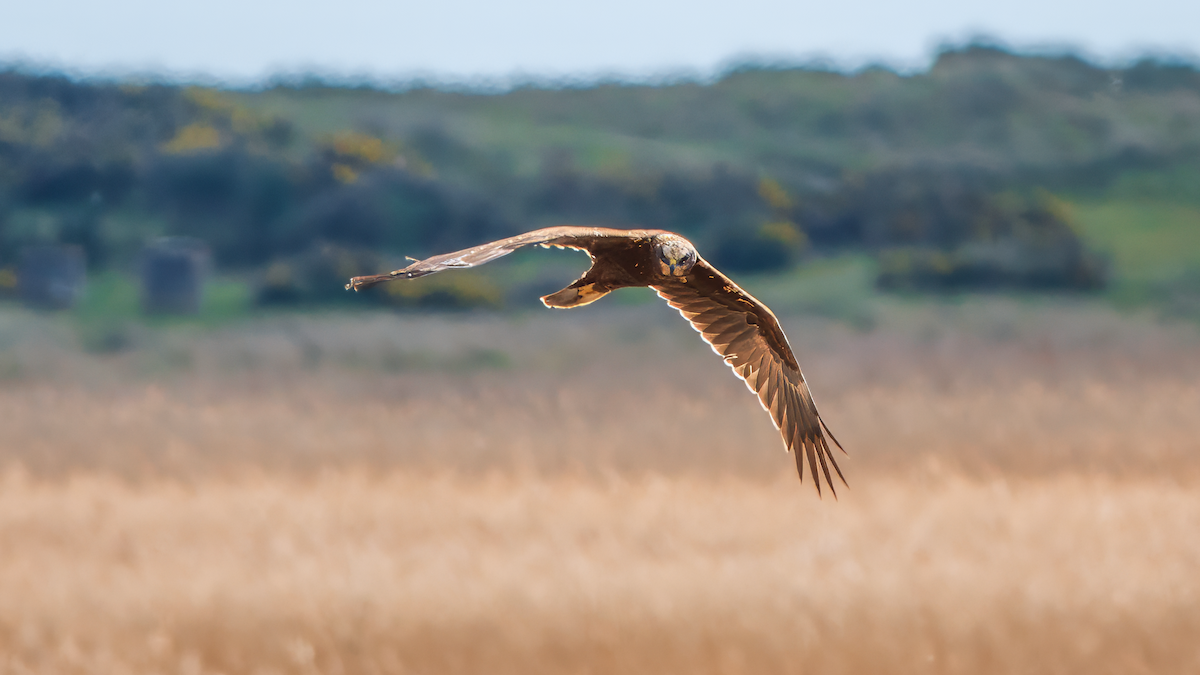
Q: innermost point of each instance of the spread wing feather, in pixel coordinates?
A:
(745, 333)
(588, 239)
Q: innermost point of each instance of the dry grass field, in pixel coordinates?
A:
(597, 494)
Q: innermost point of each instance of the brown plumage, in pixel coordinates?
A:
(737, 326)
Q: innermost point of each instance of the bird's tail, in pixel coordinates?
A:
(576, 295)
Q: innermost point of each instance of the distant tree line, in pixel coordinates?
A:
(946, 176)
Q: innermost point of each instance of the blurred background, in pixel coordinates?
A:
(980, 227)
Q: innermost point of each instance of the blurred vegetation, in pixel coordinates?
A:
(990, 170)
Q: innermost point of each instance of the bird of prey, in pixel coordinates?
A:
(737, 326)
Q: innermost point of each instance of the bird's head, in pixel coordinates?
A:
(676, 255)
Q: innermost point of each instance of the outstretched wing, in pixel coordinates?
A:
(747, 335)
(567, 236)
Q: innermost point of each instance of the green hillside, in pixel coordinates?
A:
(990, 170)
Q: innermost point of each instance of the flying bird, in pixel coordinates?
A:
(742, 330)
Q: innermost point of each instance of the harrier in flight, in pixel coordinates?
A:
(737, 326)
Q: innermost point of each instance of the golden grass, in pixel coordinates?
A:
(325, 496)
(351, 572)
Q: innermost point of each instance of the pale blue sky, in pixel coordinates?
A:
(246, 40)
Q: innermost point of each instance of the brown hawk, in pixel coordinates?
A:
(742, 330)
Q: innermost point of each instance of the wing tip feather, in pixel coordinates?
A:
(782, 395)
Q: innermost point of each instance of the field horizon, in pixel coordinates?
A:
(540, 493)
